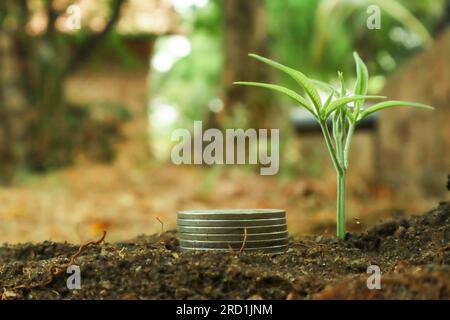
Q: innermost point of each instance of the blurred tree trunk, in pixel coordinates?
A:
(12, 103)
(36, 128)
(245, 31)
(414, 143)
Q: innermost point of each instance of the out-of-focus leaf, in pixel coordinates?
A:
(342, 81)
(391, 104)
(362, 79)
(345, 100)
(288, 92)
(299, 77)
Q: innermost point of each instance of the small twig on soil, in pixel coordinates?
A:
(77, 254)
(56, 292)
(162, 225)
(54, 269)
(243, 242)
(84, 246)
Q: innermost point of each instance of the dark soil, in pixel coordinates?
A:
(413, 255)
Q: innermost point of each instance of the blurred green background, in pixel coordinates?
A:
(90, 92)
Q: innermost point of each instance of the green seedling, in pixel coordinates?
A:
(346, 110)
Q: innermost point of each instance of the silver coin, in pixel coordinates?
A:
(272, 249)
(232, 230)
(233, 244)
(241, 214)
(230, 223)
(233, 237)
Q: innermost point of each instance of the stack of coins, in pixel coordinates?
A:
(260, 230)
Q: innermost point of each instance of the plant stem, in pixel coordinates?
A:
(330, 147)
(340, 170)
(348, 140)
(340, 214)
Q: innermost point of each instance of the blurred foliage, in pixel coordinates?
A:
(319, 36)
(314, 36)
(40, 128)
(194, 81)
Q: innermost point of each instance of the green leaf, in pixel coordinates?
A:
(328, 101)
(345, 100)
(299, 77)
(322, 84)
(362, 75)
(288, 92)
(391, 104)
(362, 79)
(350, 116)
(342, 81)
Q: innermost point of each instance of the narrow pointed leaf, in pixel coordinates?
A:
(299, 77)
(345, 100)
(351, 116)
(288, 92)
(328, 101)
(391, 104)
(342, 81)
(362, 76)
(362, 80)
(323, 85)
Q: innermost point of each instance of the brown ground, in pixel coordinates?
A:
(413, 254)
(78, 203)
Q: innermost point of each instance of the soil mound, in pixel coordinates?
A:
(412, 253)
